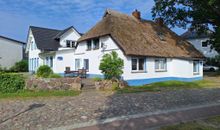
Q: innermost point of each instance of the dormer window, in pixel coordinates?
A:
(96, 44)
(70, 43)
(161, 36)
(89, 45)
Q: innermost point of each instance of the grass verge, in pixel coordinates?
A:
(212, 123)
(30, 94)
(169, 85)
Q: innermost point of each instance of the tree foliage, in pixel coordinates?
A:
(111, 65)
(44, 71)
(199, 14)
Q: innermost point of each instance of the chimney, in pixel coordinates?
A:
(137, 14)
(159, 21)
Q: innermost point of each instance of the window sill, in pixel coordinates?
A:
(196, 73)
(95, 48)
(138, 71)
(160, 70)
(88, 49)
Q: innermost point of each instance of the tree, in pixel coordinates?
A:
(111, 65)
(200, 15)
(44, 71)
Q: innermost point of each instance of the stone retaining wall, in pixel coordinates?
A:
(54, 83)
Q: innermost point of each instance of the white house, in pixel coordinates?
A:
(200, 42)
(151, 52)
(11, 51)
(51, 47)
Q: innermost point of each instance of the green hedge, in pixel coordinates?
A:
(10, 83)
(44, 71)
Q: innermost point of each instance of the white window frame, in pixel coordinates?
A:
(161, 61)
(197, 70)
(137, 65)
(84, 64)
(77, 66)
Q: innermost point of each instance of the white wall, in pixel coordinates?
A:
(207, 51)
(175, 67)
(10, 52)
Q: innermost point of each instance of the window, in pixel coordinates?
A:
(196, 67)
(86, 64)
(51, 61)
(161, 36)
(137, 64)
(77, 64)
(160, 65)
(89, 45)
(204, 44)
(68, 43)
(96, 44)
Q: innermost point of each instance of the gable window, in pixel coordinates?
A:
(96, 44)
(89, 45)
(160, 65)
(161, 36)
(68, 43)
(204, 44)
(86, 64)
(196, 67)
(137, 64)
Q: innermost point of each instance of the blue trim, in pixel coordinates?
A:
(88, 75)
(139, 82)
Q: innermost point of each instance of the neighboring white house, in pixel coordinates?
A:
(151, 52)
(200, 42)
(51, 47)
(11, 51)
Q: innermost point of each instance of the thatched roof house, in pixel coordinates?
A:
(139, 37)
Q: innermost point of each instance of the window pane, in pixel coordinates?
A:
(51, 61)
(68, 43)
(195, 66)
(157, 64)
(77, 64)
(141, 64)
(96, 43)
(86, 64)
(89, 45)
(134, 64)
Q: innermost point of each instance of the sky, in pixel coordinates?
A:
(17, 15)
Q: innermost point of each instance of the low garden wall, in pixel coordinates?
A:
(53, 83)
(110, 84)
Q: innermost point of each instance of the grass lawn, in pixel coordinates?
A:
(208, 82)
(206, 124)
(31, 94)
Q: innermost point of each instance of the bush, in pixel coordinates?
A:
(55, 76)
(21, 66)
(111, 65)
(10, 83)
(97, 79)
(213, 61)
(44, 71)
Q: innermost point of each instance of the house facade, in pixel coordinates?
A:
(200, 42)
(51, 47)
(9, 58)
(151, 52)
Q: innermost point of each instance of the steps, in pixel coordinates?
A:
(88, 85)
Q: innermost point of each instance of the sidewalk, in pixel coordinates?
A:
(155, 121)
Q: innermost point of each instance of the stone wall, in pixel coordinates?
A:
(110, 84)
(54, 83)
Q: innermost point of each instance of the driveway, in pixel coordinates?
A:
(93, 106)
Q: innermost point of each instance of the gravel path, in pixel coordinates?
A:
(55, 112)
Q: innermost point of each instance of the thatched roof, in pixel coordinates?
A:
(140, 37)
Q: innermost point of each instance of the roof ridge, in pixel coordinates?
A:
(45, 28)
(12, 39)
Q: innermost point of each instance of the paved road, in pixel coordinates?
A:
(155, 121)
(92, 107)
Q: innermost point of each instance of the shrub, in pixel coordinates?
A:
(54, 76)
(44, 71)
(97, 79)
(10, 83)
(111, 65)
(21, 66)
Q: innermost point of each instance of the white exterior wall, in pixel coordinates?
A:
(207, 51)
(10, 52)
(177, 68)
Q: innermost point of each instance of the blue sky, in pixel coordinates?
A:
(17, 15)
